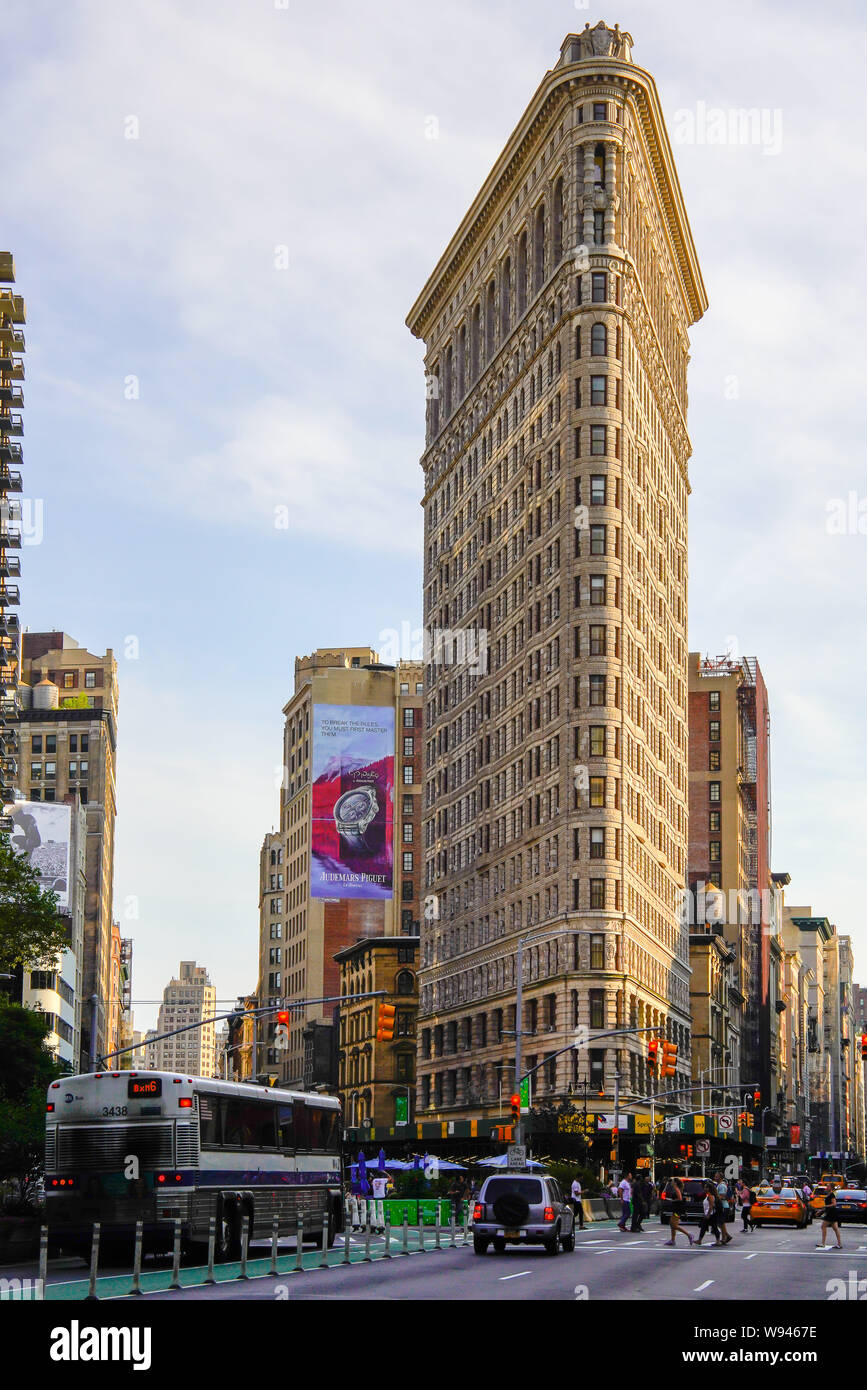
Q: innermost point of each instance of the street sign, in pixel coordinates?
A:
(726, 1121)
(516, 1156)
(524, 1092)
(702, 1148)
(401, 1110)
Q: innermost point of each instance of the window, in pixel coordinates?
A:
(597, 791)
(597, 439)
(713, 732)
(597, 1008)
(405, 983)
(597, 639)
(714, 790)
(36, 743)
(597, 690)
(715, 851)
(73, 770)
(419, 687)
(598, 228)
(85, 743)
(35, 793)
(597, 893)
(51, 769)
(406, 954)
(285, 1127)
(598, 340)
(408, 775)
(404, 1066)
(409, 718)
(715, 822)
(404, 687)
(597, 842)
(600, 110)
(83, 767)
(599, 287)
(597, 739)
(407, 805)
(597, 390)
(408, 747)
(407, 890)
(69, 680)
(714, 763)
(713, 701)
(597, 490)
(407, 832)
(90, 680)
(35, 770)
(597, 540)
(407, 863)
(597, 952)
(597, 589)
(51, 743)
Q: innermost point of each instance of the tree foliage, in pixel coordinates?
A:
(27, 1069)
(31, 933)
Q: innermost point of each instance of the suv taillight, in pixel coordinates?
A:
(549, 1214)
(479, 1211)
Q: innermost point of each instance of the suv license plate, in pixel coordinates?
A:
(513, 1234)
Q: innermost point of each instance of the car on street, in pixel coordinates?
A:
(693, 1196)
(777, 1208)
(817, 1201)
(852, 1204)
(522, 1209)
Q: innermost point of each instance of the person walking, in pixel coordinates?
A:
(674, 1194)
(577, 1200)
(724, 1211)
(640, 1207)
(747, 1197)
(830, 1220)
(624, 1192)
(710, 1220)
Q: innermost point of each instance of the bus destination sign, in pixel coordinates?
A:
(139, 1088)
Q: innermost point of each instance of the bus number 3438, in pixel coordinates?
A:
(114, 1110)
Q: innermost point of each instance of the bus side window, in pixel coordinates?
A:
(209, 1117)
(302, 1131)
(233, 1128)
(257, 1119)
(285, 1127)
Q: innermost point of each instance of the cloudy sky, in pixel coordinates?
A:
(221, 212)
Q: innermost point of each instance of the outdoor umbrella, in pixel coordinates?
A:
(382, 1162)
(363, 1184)
(501, 1160)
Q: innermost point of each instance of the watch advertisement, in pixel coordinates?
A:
(352, 850)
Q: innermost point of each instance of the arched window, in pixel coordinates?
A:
(475, 331)
(539, 248)
(405, 982)
(489, 321)
(521, 276)
(462, 363)
(557, 227)
(447, 385)
(506, 299)
(599, 165)
(598, 340)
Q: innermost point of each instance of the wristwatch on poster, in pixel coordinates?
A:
(354, 813)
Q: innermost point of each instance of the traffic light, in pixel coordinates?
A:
(864, 1046)
(515, 1103)
(653, 1055)
(282, 1017)
(385, 1023)
(669, 1059)
(757, 1098)
(742, 1117)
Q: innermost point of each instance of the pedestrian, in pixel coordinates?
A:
(624, 1192)
(674, 1194)
(577, 1201)
(609, 1196)
(710, 1220)
(380, 1187)
(639, 1207)
(724, 1211)
(747, 1198)
(830, 1218)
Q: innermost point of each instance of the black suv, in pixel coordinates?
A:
(693, 1201)
(522, 1209)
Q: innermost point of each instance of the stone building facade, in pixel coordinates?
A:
(555, 596)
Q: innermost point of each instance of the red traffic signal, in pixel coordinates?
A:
(515, 1104)
(385, 1023)
(282, 1016)
(757, 1097)
(653, 1054)
(864, 1046)
(669, 1059)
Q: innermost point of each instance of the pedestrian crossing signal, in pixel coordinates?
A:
(385, 1023)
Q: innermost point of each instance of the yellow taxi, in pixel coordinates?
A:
(772, 1208)
(834, 1179)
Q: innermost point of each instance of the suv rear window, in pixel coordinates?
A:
(528, 1188)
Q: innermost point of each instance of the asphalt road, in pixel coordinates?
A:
(771, 1265)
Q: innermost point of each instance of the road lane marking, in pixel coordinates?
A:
(751, 1257)
(504, 1277)
(706, 1285)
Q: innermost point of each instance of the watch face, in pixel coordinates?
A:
(353, 807)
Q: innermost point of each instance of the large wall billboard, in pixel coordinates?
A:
(42, 831)
(352, 849)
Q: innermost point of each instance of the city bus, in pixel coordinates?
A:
(153, 1146)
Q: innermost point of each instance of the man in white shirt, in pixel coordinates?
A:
(577, 1203)
(624, 1191)
(380, 1186)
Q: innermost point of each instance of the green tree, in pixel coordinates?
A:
(31, 933)
(27, 1069)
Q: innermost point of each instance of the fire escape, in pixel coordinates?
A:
(11, 401)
